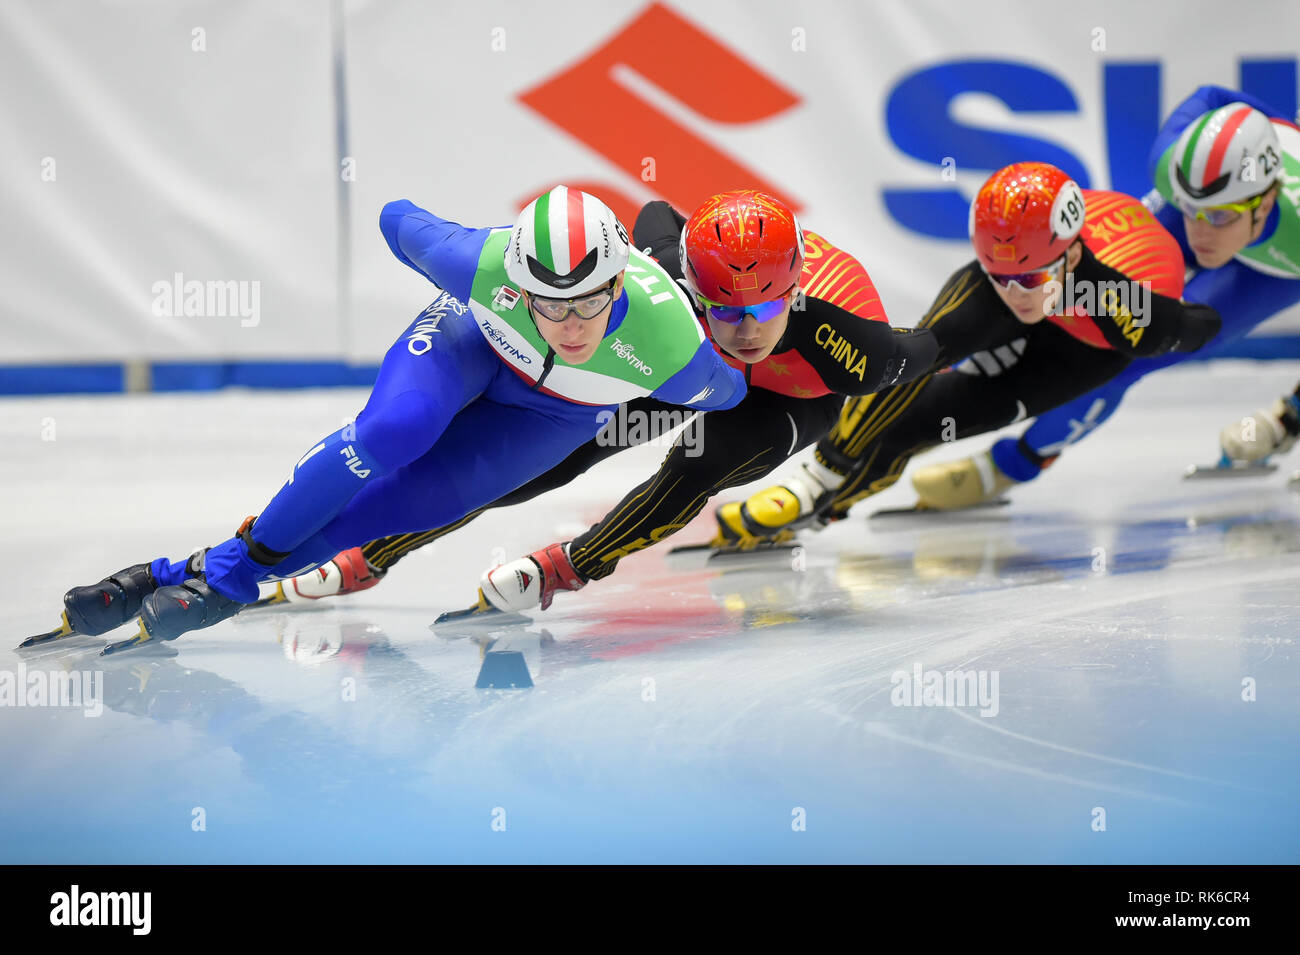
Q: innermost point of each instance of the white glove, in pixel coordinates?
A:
(1257, 436)
(532, 581)
(513, 586)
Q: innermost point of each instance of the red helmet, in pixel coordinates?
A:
(1025, 216)
(742, 248)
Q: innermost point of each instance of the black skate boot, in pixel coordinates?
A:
(104, 606)
(111, 602)
(171, 611)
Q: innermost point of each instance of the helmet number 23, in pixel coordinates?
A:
(1267, 160)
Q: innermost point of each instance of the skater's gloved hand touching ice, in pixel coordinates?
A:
(1267, 431)
(524, 583)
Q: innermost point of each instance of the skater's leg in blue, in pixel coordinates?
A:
(438, 365)
(1023, 459)
(488, 450)
(1069, 423)
(425, 380)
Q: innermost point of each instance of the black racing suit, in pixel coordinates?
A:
(1011, 371)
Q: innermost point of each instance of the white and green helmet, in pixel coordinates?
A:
(1229, 154)
(565, 244)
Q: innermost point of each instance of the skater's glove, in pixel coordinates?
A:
(1266, 432)
(531, 581)
(1199, 323)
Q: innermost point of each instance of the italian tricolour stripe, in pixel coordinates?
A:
(563, 212)
(1209, 143)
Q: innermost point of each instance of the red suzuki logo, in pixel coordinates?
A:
(594, 102)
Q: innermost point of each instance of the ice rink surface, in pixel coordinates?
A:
(1142, 632)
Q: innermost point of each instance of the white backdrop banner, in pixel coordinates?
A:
(166, 181)
(176, 203)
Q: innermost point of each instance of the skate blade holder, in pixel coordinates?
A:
(61, 632)
(142, 643)
(139, 639)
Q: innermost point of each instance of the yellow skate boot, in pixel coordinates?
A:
(956, 484)
(772, 515)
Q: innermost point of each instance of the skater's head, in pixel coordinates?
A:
(567, 253)
(1223, 177)
(742, 253)
(574, 327)
(1024, 225)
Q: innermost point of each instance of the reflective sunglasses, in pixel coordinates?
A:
(1027, 280)
(587, 307)
(735, 314)
(1219, 216)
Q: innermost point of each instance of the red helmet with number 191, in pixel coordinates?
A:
(742, 248)
(1024, 218)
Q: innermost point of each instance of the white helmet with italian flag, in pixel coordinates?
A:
(565, 244)
(1229, 154)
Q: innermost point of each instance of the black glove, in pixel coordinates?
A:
(1199, 323)
(657, 231)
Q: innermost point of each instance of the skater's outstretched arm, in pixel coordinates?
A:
(723, 386)
(1145, 323)
(443, 251)
(657, 232)
(859, 357)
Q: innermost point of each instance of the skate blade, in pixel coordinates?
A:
(1196, 472)
(478, 617)
(271, 600)
(759, 551)
(780, 544)
(139, 639)
(920, 510)
(772, 557)
(64, 629)
(700, 556)
(691, 549)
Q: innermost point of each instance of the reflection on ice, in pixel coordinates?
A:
(1135, 635)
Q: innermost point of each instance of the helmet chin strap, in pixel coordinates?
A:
(1255, 221)
(549, 361)
(547, 364)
